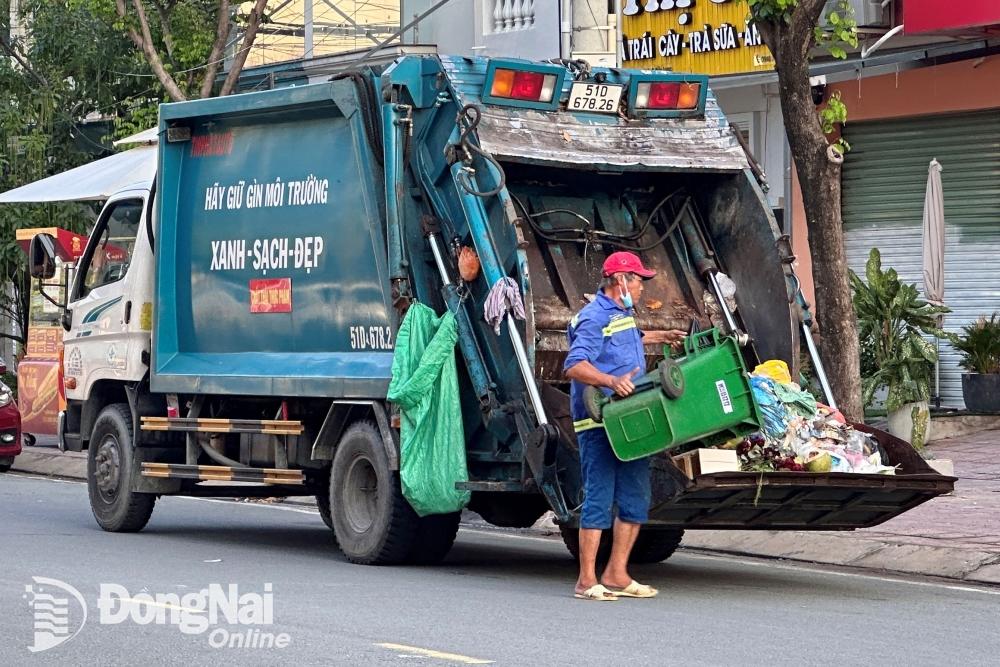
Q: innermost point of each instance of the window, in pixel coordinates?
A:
(108, 260)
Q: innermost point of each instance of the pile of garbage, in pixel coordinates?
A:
(801, 435)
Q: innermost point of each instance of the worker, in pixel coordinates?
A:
(606, 351)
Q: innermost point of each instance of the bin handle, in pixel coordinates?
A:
(700, 340)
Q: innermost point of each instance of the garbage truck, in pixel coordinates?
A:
(232, 326)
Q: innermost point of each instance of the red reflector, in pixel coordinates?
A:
(663, 95)
(527, 86)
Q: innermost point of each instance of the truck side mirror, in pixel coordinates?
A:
(42, 256)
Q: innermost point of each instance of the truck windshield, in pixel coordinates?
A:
(116, 235)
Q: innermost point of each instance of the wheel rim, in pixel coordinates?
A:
(108, 468)
(361, 495)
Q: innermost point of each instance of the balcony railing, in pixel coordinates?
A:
(511, 15)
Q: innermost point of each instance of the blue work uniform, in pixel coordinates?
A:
(606, 335)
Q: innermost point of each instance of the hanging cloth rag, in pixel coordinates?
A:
(504, 297)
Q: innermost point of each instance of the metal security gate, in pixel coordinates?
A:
(884, 178)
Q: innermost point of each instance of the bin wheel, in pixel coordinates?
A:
(671, 378)
(593, 403)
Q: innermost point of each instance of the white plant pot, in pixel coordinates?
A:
(912, 423)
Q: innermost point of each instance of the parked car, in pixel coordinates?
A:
(10, 424)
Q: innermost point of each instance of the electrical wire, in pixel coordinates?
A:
(470, 125)
(589, 234)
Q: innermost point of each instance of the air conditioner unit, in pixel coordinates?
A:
(867, 13)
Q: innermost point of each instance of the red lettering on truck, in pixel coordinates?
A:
(206, 145)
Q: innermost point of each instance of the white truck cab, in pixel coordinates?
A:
(109, 311)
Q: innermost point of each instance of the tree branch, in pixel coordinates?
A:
(145, 43)
(21, 60)
(253, 23)
(222, 29)
(163, 11)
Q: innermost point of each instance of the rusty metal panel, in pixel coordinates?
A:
(593, 141)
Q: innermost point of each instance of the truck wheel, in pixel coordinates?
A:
(651, 546)
(110, 470)
(654, 545)
(435, 536)
(29, 440)
(323, 501)
(5, 463)
(372, 521)
(571, 538)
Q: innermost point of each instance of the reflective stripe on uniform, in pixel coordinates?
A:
(586, 425)
(621, 324)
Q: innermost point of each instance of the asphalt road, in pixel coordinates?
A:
(498, 598)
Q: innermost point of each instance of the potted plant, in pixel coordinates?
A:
(892, 323)
(980, 348)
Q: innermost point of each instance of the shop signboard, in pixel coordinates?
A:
(967, 17)
(711, 37)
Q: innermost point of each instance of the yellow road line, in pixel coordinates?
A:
(439, 655)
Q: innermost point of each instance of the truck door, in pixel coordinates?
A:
(97, 346)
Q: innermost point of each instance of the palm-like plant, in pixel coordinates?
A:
(980, 345)
(892, 323)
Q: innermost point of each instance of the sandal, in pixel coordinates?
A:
(634, 590)
(597, 593)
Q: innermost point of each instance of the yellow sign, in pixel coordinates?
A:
(693, 36)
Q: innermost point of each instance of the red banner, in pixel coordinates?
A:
(271, 295)
(969, 17)
(38, 396)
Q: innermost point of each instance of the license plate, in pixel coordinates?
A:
(595, 97)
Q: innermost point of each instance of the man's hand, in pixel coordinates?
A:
(622, 384)
(672, 337)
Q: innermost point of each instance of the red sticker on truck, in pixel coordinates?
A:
(271, 295)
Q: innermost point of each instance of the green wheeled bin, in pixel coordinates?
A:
(703, 396)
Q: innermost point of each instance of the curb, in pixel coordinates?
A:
(51, 463)
(842, 549)
(852, 550)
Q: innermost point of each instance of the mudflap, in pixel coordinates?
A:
(805, 501)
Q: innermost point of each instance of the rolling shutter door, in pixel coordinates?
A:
(884, 178)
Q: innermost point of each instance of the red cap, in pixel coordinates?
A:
(625, 262)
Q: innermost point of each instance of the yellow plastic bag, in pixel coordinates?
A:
(776, 369)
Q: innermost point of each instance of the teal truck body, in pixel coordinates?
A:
(288, 232)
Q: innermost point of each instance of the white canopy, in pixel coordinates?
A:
(95, 180)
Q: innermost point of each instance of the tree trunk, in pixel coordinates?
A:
(819, 179)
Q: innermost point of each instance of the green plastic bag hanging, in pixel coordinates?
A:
(425, 386)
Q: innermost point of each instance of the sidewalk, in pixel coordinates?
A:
(956, 536)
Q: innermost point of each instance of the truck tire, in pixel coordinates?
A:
(323, 501)
(373, 523)
(110, 469)
(655, 545)
(651, 546)
(435, 537)
(5, 463)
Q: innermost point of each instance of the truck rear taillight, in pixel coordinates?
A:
(667, 95)
(521, 85)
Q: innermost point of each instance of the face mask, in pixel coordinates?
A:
(626, 295)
